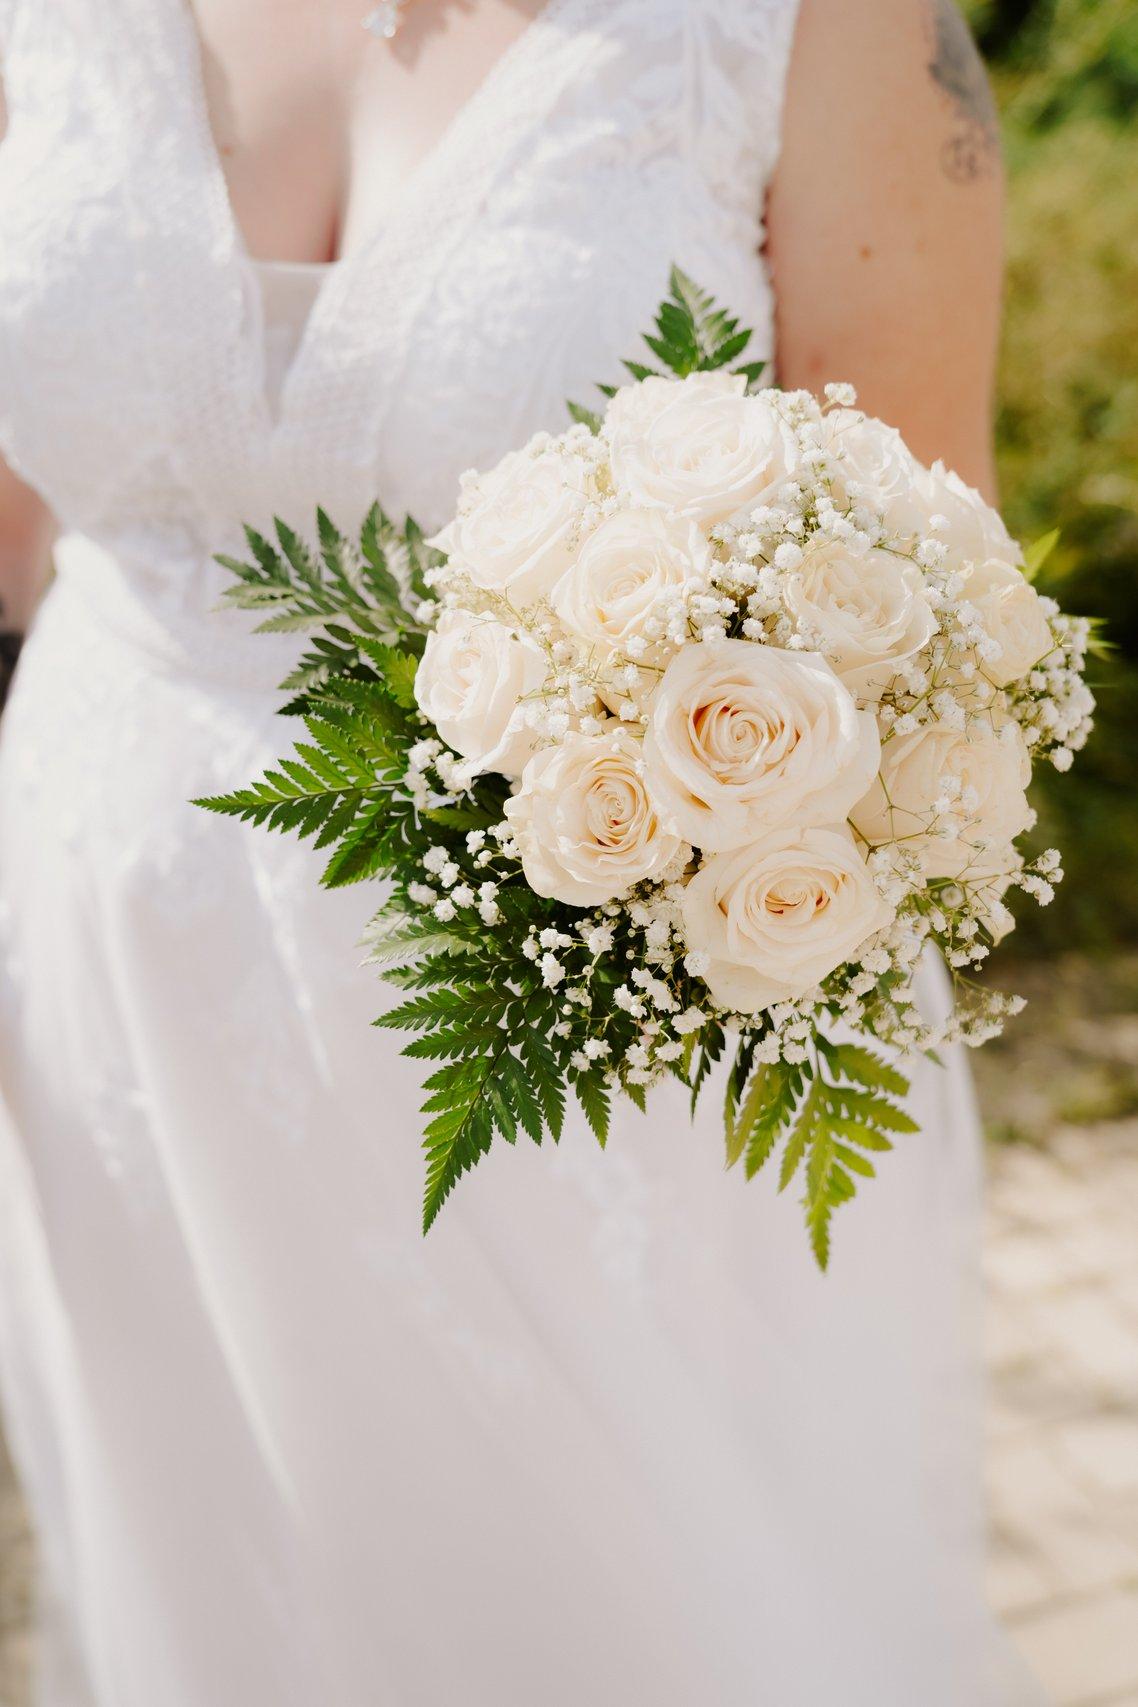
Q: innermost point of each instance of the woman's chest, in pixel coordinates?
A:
(318, 124)
(518, 262)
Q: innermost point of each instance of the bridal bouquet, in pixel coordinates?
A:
(691, 731)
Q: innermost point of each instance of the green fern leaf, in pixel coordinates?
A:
(586, 417)
(768, 1111)
(546, 1078)
(593, 1096)
(456, 1139)
(863, 1067)
(523, 1097)
(800, 1136)
(712, 1040)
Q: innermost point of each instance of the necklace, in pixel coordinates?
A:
(385, 19)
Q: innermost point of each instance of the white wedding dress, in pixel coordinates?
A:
(605, 1437)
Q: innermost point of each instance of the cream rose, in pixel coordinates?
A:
(867, 614)
(982, 775)
(874, 464)
(517, 525)
(1013, 616)
(700, 446)
(777, 916)
(743, 738)
(471, 680)
(633, 559)
(583, 820)
(975, 531)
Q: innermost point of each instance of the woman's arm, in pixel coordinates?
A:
(26, 534)
(26, 531)
(884, 222)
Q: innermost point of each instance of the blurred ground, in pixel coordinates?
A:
(15, 1592)
(1060, 1093)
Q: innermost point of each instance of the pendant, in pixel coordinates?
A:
(385, 19)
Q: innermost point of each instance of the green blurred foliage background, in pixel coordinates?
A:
(1065, 74)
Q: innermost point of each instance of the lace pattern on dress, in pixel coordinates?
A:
(614, 137)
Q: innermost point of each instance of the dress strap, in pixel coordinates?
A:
(738, 59)
(757, 37)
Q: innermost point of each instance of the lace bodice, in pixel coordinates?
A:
(521, 261)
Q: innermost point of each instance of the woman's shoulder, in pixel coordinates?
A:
(893, 73)
(751, 41)
(761, 31)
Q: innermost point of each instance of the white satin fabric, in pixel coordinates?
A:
(606, 1436)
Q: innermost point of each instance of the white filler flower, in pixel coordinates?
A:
(778, 916)
(743, 738)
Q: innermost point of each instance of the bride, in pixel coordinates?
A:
(605, 1437)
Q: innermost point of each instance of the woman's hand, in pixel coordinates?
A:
(885, 222)
(26, 532)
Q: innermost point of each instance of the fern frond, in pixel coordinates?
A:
(694, 335)
(545, 1077)
(458, 1137)
(371, 588)
(595, 1100)
(712, 1040)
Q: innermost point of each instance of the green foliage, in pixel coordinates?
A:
(342, 787)
(694, 335)
(349, 594)
(1036, 554)
(503, 1059)
(481, 1033)
(827, 1112)
(474, 1003)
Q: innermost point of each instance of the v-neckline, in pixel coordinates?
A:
(231, 252)
(423, 167)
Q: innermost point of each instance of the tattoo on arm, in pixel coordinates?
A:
(955, 66)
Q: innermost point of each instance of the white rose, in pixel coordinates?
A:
(584, 822)
(777, 916)
(975, 531)
(517, 524)
(744, 737)
(472, 676)
(988, 773)
(700, 446)
(1013, 616)
(871, 457)
(867, 614)
(624, 568)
